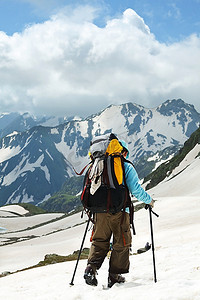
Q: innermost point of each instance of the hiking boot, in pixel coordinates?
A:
(115, 278)
(89, 276)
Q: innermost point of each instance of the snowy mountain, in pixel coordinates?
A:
(187, 157)
(34, 164)
(11, 122)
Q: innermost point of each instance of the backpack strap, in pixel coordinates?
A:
(106, 176)
(81, 172)
(128, 198)
(128, 161)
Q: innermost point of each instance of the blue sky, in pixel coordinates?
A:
(56, 55)
(169, 20)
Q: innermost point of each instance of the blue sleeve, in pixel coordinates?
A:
(134, 187)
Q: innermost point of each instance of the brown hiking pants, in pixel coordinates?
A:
(106, 225)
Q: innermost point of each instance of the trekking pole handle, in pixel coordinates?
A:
(147, 206)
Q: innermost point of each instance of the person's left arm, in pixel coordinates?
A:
(133, 185)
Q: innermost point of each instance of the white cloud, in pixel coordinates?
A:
(174, 11)
(68, 65)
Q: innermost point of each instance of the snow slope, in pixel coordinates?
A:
(184, 180)
(176, 235)
(177, 248)
(15, 209)
(35, 242)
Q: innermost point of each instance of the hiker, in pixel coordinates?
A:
(108, 224)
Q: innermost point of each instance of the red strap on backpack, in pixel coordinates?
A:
(82, 169)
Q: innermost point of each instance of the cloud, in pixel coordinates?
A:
(69, 66)
(174, 11)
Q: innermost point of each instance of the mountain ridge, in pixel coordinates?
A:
(36, 163)
(20, 122)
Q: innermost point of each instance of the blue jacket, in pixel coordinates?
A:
(133, 185)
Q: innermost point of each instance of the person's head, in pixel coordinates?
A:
(125, 151)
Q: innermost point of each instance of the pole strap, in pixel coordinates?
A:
(148, 206)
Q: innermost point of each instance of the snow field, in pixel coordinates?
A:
(178, 278)
(177, 248)
(14, 209)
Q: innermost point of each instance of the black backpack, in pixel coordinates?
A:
(104, 188)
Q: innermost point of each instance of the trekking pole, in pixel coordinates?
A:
(79, 254)
(147, 206)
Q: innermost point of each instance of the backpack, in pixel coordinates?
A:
(104, 188)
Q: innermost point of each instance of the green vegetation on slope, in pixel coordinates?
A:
(62, 203)
(66, 200)
(33, 210)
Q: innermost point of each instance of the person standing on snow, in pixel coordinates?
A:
(108, 224)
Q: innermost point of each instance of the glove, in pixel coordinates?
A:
(152, 203)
